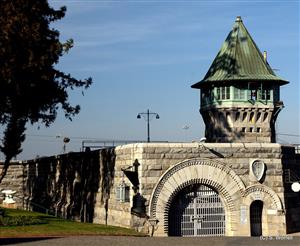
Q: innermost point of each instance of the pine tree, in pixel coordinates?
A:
(31, 88)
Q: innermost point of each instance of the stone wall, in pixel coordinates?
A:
(14, 180)
(291, 174)
(156, 158)
(68, 185)
(242, 122)
(84, 186)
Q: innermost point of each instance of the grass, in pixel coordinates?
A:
(52, 226)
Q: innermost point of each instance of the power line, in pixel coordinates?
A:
(288, 134)
(60, 136)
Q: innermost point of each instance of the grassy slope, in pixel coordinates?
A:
(59, 227)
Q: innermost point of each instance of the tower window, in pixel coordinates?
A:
(254, 91)
(218, 94)
(253, 95)
(276, 93)
(227, 92)
(207, 96)
(223, 93)
(265, 94)
(238, 94)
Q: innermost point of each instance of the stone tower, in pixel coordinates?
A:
(240, 98)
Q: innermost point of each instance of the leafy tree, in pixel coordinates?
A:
(31, 88)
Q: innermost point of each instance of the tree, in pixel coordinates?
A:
(31, 88)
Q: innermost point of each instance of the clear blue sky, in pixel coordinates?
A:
(147, 54)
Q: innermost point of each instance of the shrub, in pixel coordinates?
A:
(2, 213)
(21, 221)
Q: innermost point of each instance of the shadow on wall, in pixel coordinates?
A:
(217, 128)
(224, 65)
(68, 185)
(291, 174)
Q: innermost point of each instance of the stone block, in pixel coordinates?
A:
(162, 150)
(277, 184)
(242, 171)
(152, 173)
(149, 150)
(149, 180)
(270, 172)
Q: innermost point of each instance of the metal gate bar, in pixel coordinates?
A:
(197, 211)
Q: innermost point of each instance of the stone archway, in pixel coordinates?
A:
(272, 211)
(263, 193)
(202, 171)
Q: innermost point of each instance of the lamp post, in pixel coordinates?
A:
(148, 116)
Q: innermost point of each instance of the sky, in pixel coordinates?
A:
(146, 54)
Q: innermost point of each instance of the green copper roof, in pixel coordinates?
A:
(239, 60)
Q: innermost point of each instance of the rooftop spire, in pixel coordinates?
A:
(239, 59)
(238, 19)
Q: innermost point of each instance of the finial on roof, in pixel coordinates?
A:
(265, 56)
(238, 19)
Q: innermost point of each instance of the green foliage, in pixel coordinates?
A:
(2, 212)
(22, 221)
(31, 88)
(19, 212)
(15, 217)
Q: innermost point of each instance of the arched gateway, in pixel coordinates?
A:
(196, 210)
(196, 198)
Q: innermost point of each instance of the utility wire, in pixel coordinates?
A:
(287, 134)
(60, 136)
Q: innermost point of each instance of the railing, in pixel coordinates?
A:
(297, 149)
(101, 144)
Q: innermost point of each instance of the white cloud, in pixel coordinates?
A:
(112, 33)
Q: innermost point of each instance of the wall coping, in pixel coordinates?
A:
(198, 144)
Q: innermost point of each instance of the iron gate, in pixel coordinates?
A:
(196, 211)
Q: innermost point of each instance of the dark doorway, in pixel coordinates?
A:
(256, 208)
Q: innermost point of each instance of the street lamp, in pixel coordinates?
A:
(148, 116)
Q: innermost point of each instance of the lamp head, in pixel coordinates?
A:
(203, 140)
(66, 140)
(138, 116)
(157, 116)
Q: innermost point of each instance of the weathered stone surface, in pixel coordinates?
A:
(51, 181)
